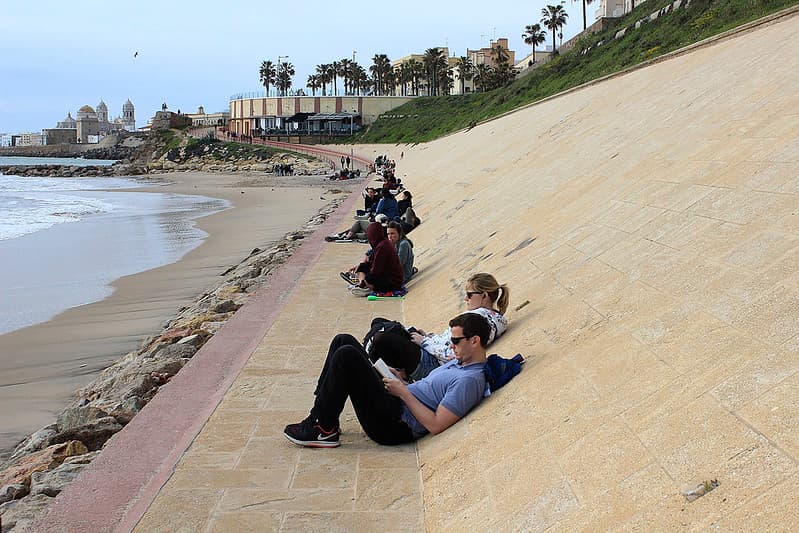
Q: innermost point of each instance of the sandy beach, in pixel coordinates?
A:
(45, 363)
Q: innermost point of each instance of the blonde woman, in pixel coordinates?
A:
(424, 352)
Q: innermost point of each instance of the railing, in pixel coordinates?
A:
(333, 157)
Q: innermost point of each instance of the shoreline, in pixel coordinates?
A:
(73, 347)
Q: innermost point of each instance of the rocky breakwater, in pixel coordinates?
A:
(211, 155)
(49, 459)
(117, 169)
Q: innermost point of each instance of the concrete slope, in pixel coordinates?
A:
(648, 228)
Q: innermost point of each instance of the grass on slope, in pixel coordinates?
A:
(428, 118)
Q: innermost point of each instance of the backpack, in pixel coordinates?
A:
(384, 325)
(499, 371)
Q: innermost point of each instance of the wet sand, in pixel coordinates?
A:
(42, 365)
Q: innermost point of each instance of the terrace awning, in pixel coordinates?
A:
(298, 117)
(333, 116)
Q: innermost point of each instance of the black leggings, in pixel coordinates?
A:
(397, 351)
(347, 373)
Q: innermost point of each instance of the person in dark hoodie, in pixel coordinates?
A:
(383, 271)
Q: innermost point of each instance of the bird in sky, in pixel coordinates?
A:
(135, 55)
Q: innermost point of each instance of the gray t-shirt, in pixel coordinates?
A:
(458, 388)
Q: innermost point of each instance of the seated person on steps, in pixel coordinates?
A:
(404, 248)
(382, 271)
(387, 206)
(424, 352)
(390, 410)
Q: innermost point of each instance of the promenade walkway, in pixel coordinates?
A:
(648, 229)
(241, 474)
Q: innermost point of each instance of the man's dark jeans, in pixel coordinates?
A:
(349, 373)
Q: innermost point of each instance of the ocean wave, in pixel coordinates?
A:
(27, 213)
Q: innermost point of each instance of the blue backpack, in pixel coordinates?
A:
(499, 370)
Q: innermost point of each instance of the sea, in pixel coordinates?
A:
(63, 241)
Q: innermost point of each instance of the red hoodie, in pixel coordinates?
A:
(385, 261)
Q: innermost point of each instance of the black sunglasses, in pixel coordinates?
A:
(456, 340)
(469, 294)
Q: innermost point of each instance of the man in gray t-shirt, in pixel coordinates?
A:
(390, 410)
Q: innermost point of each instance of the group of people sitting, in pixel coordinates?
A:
(404, 382)
(432, 381)
(383, 223)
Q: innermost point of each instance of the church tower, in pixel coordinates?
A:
(102, 112)
(128, 116)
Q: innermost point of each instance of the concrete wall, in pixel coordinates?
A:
(647, 227)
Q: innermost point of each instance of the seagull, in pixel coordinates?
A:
(135, 55)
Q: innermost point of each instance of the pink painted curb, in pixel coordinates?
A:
(115, 491)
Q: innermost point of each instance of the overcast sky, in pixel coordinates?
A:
(56, 56)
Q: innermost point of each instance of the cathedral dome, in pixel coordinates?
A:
(85, 109)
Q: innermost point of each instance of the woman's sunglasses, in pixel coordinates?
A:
(469, 294)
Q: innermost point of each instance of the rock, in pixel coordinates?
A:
(83, 459)
(35, 442)
(73, 417)
(211, 327)
(51, 482)
(227, 306)
(93, 434)
(20, 514)
(174, 351)
(50, 457)
(173, 334)
(123, 416)
(195, 340)
(14, 491)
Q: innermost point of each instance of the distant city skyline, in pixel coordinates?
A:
(56, 57)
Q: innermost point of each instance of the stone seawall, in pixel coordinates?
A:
(53, 150)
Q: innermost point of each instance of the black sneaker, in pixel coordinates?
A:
(310, 434)
(349, 278)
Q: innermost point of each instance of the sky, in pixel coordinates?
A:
(57, 56)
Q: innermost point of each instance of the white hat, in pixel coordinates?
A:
(381, 219)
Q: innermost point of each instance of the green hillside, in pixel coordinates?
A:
(427, 118)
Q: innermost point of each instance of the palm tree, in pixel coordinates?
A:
(503, 72)
(499, 54)
(267, 73)
(434, 63)
(359, 81)
(285, 72)
(313, 83)
(534, 35)
(554, 18)
(381, 66)
(465, 71)
(418, 76)
(321, 73)
(482, 76)
(345, 71)
(404, 75)
(585, 3)
(332, 73)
